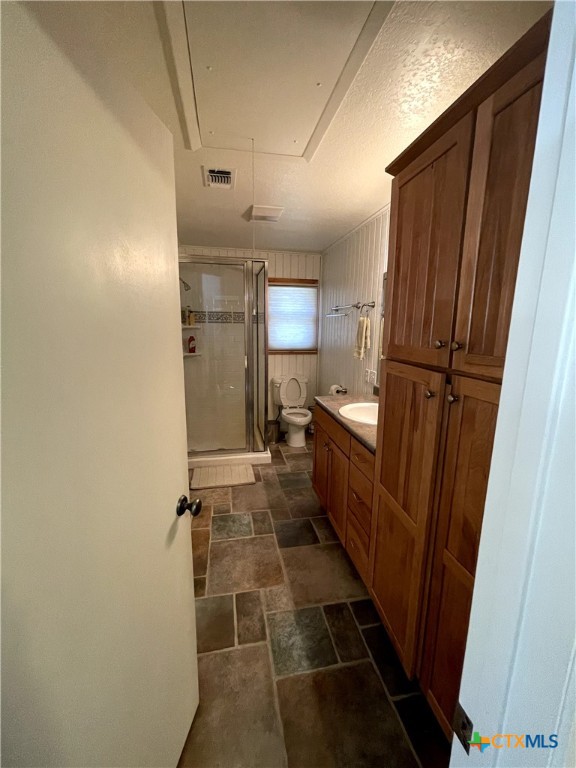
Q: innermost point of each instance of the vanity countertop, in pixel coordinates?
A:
(364, 433)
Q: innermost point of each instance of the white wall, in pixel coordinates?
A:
(519, 666)
(352, 270)
(280, 264)
(98, 638)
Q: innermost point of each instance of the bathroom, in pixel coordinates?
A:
(323, 540)
(264, 418)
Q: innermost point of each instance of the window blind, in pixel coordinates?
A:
(292, 317)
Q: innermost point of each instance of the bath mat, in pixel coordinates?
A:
(222, 475)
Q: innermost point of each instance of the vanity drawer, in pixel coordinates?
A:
(337, 433)
(357, 545)
(360, 497)
(362, 458)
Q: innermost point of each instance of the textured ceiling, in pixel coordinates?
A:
(424, 56)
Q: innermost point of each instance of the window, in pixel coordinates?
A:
(293, 316)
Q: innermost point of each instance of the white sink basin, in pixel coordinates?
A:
(365, 413)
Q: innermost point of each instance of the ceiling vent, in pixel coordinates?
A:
(219, 177)
(266, 213)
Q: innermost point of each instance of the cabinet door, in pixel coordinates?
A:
(337, 489)
(500, 177)
(320, 464)
(408, 433)
(428, 201)
(472, 410)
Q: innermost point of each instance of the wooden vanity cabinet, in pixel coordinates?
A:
(342, 477)
(337, 489)
(320, 464)
(359, 518)
(330, 469)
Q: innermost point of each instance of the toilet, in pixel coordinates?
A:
(290, 393)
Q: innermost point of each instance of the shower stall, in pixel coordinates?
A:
(224, 345)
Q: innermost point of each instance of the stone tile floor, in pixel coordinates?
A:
(295, 667)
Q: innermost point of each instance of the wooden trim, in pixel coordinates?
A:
(533, 43)
(292, 351)
(292, 281)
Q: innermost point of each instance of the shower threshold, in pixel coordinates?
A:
(214, 458)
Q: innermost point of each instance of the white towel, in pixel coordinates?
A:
(362, 338)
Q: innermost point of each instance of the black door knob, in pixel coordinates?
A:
(194, 506)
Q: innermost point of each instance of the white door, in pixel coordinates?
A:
(98, 630)
(520, 665)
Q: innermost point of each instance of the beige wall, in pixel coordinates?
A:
(292, 264)
(352, 270)
(98, 637)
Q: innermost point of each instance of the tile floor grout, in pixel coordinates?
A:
(336, 651)
(275, 687)
(314, 519)
(235, 616)
(391, 702)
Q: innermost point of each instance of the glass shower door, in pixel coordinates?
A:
(214, 305)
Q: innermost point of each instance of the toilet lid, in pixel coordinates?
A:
(292, 394)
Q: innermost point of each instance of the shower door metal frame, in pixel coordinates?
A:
(249, 388)
(251, 397)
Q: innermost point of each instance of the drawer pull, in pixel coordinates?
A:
(360, 458)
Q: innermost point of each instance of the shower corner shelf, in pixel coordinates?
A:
(189, 327)
(192, 354)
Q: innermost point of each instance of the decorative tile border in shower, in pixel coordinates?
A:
(201, 316)
(219, 317)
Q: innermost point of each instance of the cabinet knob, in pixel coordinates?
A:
(428, 394)
(439, 344)
(455, 346)
(452, 399)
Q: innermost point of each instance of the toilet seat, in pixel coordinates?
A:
(299, 416)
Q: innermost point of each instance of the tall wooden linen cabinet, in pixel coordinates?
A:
(458, 204)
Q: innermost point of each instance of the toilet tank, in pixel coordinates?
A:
(289, 391)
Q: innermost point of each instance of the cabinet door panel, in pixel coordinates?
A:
(428, 202)
(357, 545)
(320, 465)
(455, 602)
(500, 178)
(408, 431)
(469, 438)
(338, 490)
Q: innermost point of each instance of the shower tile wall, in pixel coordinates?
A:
(215, 380)
(292, 264)
(352, 270)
